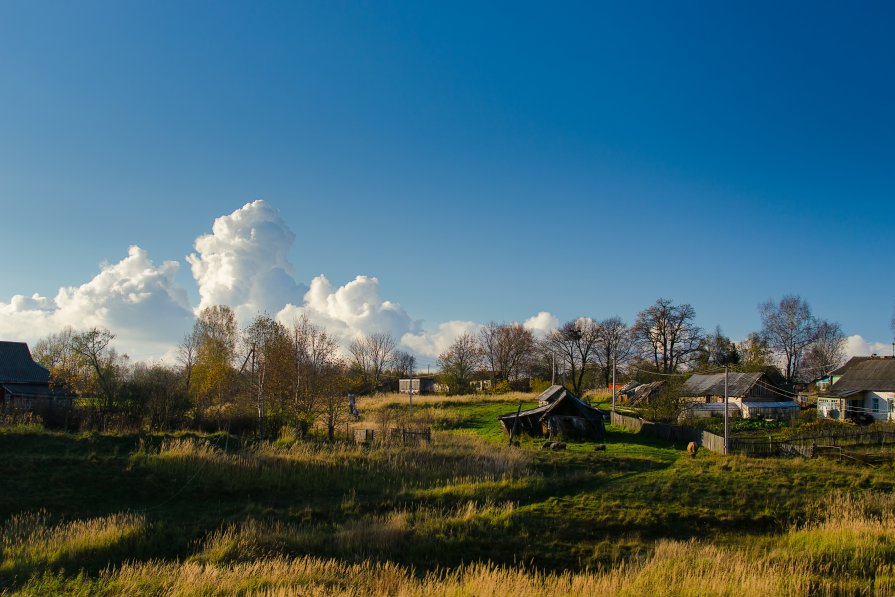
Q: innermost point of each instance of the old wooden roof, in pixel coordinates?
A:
(875, 374)
(738, 384)
(552, 394)
(566, 403)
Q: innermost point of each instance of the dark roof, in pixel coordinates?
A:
(34, 390)
(552, 394)
(17, 366)
(876, 374)
(567, 401)
(849, 364)
(738, 384)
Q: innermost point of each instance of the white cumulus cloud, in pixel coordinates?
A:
(432, 344)
(541, 324)
(856, 346)
(351, 310)
(139, 301)
(244, 262)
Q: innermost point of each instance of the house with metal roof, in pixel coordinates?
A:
(753, 395)
(23, 383)
(864, 389)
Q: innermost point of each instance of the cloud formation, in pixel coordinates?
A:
(244, 262)
(139, 301)
(542, 324)
(856, 346)
(351, 310)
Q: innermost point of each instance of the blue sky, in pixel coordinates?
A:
(484, 162)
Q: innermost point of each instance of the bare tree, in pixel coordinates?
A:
(317, 378)
(459, 362)
(370, 355)
(403, 364)
(826, 353)
(668, 334)
(789, 328)
(186, 356)
(614, 345)
(575, 343)
(505, 349)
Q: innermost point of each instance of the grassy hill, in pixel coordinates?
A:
(160, 514)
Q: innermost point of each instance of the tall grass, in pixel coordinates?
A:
(327, 468)
(28, 541)
(844, 550)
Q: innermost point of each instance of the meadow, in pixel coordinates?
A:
(190, 514)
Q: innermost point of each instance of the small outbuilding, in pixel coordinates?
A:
(643, 393)
(560, 414)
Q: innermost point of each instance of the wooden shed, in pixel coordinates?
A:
(564, 416)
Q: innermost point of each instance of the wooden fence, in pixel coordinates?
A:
(804, 445)
(393, 436)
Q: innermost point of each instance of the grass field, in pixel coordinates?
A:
(466, 515)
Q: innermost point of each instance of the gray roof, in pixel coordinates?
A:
(849, 364)
(34, 390)
(565, 398)
(17, 366)
(874, 375)
(644, 392)
(738, 384)
(552, 394)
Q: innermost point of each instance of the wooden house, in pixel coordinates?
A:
(864, 389)
(753, 394)
(559, 414)
(25, 385)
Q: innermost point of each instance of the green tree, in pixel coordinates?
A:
(213, 375)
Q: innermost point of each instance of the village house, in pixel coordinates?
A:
(559, 414)
(864, 388)
(25, 385)
(750, 395)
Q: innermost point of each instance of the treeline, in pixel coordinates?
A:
(792, 346)
(269, 377)
(263, 379)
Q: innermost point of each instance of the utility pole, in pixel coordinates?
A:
(411, 387)
(614, 361)
(552, 368)
(726, 424)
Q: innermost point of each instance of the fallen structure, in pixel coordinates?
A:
(559, 414)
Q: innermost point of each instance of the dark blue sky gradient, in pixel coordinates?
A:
(485, 162)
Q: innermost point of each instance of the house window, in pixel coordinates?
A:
(876, 405)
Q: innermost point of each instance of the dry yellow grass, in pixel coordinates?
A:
(848, 547)
(242, 560)
(396, 399)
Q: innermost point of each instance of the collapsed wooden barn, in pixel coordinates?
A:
(559, 414)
